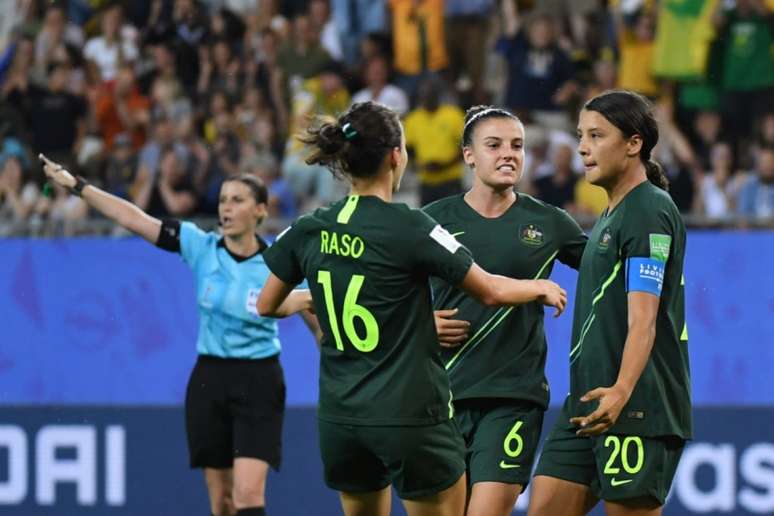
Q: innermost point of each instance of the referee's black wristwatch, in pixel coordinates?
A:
(80, 184)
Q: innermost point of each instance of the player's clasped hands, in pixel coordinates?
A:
(553, 295)
(611, 403)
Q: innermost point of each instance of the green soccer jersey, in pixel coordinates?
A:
(638, 247)
(505, 354)
(368, 264)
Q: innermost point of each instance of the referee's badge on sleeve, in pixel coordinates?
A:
(251, 305)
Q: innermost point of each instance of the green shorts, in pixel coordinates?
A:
(501, 436)
(615, 467)
(418, 461)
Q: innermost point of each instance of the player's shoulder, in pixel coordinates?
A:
(414, 216)
(540, 207)
(442, 206)
(322, 216)
(405, 219)
(651, 199)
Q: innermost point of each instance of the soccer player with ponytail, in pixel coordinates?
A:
(624, 424)
(385, 412)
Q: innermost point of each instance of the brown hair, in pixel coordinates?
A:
(356, 144)
(477, 114)
(632, 114)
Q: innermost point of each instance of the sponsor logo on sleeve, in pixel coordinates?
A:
(444, 238)
(659, 246)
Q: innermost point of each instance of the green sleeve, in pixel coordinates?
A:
(437, 253)
(282, 257)
(647, 235)
(573, 240)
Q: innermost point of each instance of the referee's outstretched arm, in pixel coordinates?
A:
(118, 210)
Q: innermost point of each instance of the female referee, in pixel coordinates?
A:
(623, 426)
(235, 399)
(385, 412)
(497, 375)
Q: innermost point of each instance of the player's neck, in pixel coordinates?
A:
(242, 245)
(378, 186)
(490, 202)
(628, 181)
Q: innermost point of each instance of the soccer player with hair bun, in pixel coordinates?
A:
(385, 411)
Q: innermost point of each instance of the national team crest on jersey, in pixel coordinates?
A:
(604, 239)
(532, 235)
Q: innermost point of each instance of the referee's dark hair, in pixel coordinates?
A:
(260, 193)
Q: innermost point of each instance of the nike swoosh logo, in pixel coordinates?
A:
(458, 234)
(616, 483)
(505, 465)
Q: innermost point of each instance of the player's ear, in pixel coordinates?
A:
(633, 145)
(395, 157)
(467, 156)
(261, 212)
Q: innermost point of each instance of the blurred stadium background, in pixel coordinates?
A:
(98, 328)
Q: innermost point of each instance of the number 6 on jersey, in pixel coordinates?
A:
(351, 311)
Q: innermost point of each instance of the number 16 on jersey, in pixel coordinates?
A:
(350, 312)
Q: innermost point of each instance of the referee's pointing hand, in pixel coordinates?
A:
(57, 173)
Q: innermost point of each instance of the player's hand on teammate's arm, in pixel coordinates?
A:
(611, 402)
(57, 173)
(451, 332)
(552, 295)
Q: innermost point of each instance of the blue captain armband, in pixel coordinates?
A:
(645, 275)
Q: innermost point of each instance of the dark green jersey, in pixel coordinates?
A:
(505, 354)
(368, 264)
(638, 247)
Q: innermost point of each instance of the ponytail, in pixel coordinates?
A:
(329, 145)
(656, 174)
(355, 144)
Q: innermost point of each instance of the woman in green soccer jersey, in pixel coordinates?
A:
(385, 414)
(623, 426)
(497, 375)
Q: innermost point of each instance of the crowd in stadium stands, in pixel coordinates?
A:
(159, 101)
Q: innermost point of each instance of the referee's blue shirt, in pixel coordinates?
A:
(226, 294)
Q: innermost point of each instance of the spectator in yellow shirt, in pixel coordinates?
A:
(637, 42)
(418, 41)
(322, 95)
(433, 133)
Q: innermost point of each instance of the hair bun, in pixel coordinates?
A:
(331, 138)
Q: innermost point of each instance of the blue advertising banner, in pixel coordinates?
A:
(113, 322)
(132, 461)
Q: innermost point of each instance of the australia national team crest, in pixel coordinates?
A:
(531, 234)
(604, 239)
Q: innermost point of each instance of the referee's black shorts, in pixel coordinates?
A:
(234, 408)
